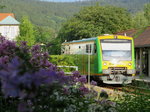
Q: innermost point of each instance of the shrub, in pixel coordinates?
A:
(64, 60)
(137, 101)
(30, 83)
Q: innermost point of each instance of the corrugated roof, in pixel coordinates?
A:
(4, 15)
(9, 20)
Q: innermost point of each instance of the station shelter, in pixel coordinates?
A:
(142, 49)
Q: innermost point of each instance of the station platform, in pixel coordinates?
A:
(142, 78)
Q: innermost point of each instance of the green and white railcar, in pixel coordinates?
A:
(111, 57)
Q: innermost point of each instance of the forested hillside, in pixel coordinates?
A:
(52, 14)
(40, 13)
(131, 5)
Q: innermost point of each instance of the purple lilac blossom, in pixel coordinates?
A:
(23, 44)
(84, 90)
(93, 83)
(76, 74)
(2, 39)
(35, 49)
(12, 80)
(45, 55)
(26, 70)
(4, 60)
(23, 47)
(61, 73)
(6, 47)
(82, 79)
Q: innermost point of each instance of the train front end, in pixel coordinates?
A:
(116, 59)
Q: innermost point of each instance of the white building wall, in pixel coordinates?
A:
(10, 32)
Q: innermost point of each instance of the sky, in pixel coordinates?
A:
(63, 0)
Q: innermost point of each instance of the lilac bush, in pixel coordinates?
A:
(36, 85)
(22, 68)
(26, 74)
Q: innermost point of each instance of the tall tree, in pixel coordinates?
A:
(2, 6)
(147, 12)
(94, 21)
(139, 20)
(26, 31)
(43, 35)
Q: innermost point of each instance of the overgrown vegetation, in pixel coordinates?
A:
(30, 83)
(134, 101)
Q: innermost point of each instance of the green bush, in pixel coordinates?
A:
(137, 101)
(64, 60)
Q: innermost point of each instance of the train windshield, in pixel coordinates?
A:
(116, 49)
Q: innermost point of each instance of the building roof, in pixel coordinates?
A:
(83, 40)
(130, 33)
(141, 36)
(9, 20)
(4, 15)
(143, 40)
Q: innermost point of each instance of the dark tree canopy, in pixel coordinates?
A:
(96, 20)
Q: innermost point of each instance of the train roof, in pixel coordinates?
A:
(82, 40)
(90, 39)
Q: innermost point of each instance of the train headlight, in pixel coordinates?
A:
(104, 64)
(106, 71)
(131, 71)
(130, 64)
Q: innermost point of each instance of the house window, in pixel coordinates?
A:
(12, 31)
(5, 31)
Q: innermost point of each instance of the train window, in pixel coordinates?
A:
(120, 50)
(88, 48)
(95, 48)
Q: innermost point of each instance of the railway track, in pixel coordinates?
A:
(121, 89)
(130, 89)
